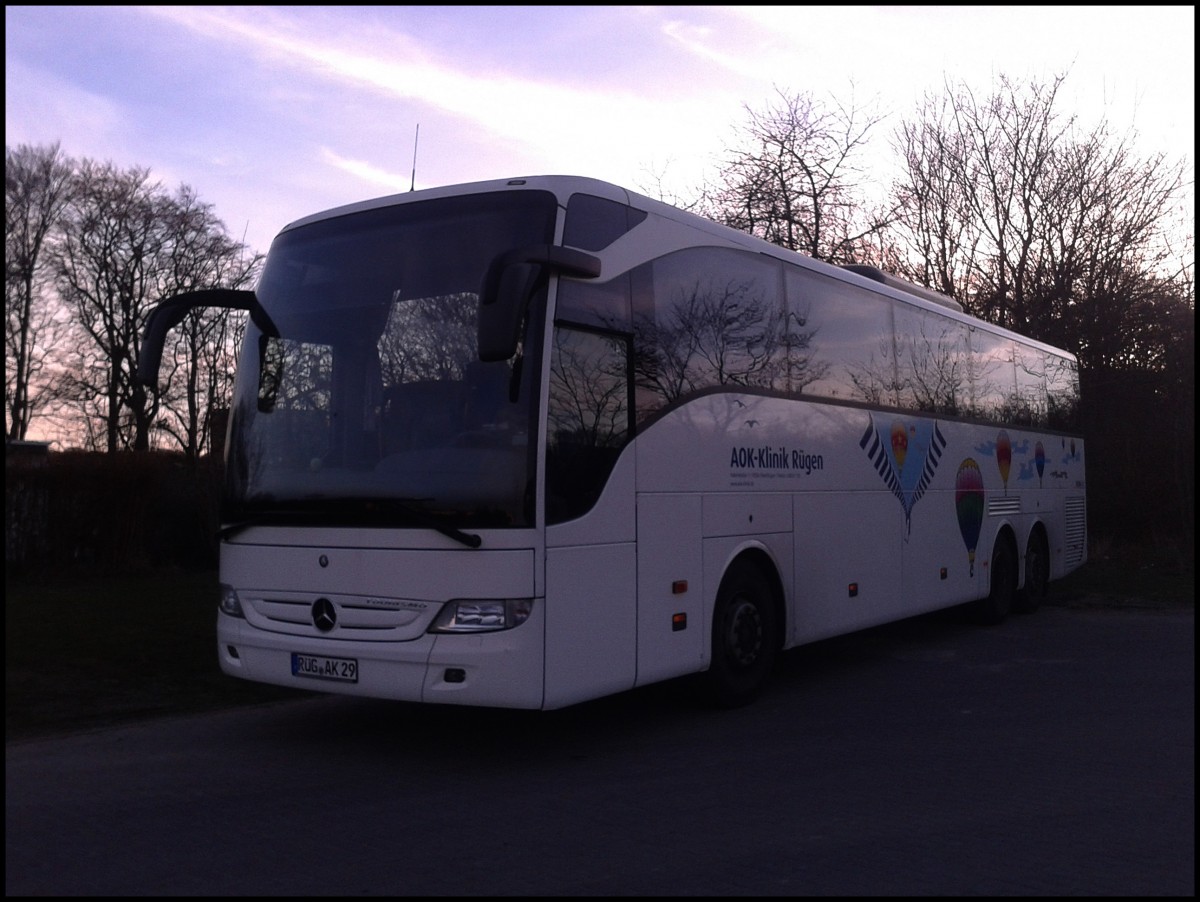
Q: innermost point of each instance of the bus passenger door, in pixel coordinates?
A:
(591, 597)
(591, 589)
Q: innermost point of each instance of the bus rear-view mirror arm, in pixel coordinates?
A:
(508, 285)
(170, 313)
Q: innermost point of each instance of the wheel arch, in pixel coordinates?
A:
(1006, 532)
(1003, 575)
(759, 557)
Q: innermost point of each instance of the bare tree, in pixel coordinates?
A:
(794, 178)
(1031, 222)
(935, 234)
(37, 183)
(1064, 234)
(126, 244)
(112, 240)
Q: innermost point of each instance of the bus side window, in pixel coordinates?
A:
(845, 349)
(1031, 387)
(593, 223)
(932, 362)
(707, 317)
(1062, 393)
(588, 417)
(993, 375)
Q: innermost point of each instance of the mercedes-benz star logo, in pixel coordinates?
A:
(324, 615)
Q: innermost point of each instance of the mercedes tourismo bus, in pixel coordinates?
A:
(525, 443)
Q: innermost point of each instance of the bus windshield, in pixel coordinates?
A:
(367, 403)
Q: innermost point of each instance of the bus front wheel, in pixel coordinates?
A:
(745, 636)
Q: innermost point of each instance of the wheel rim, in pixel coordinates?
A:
(744, 632)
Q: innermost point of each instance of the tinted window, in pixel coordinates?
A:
(593, 223)
(706, 317)
(841, 340)
(1062, 393)
(587, 418)
(993, 376)
(932, 362)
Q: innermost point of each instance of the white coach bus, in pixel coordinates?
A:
(525, 443)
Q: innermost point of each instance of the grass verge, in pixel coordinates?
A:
(80, 654)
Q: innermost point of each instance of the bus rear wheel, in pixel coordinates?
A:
(745, 637)
(1037, 574)
(1001, 599)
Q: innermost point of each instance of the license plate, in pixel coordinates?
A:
(340, 670)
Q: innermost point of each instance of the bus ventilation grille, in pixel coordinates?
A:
(1076, 530)
(998, 507)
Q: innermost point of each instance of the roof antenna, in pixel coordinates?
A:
(412, 186)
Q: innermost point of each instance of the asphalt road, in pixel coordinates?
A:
(1053, 755)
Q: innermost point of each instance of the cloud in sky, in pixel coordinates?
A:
(272, 113)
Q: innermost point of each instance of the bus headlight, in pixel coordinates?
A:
(482, 616)
(230, 603)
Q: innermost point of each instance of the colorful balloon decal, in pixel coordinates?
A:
(968, 501)
(1039, 460)
(888, 448)
(1003, 456)
(899, 442)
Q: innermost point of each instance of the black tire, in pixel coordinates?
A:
(745, 637)
(1002, 597)
(1037, 574)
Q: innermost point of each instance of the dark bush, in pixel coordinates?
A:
(78, 512)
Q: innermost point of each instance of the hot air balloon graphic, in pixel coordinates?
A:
(1003, 456)
(924, 440)
(899, 443)
(968, 501)
(1039, 460)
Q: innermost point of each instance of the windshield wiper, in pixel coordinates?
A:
(411, 506)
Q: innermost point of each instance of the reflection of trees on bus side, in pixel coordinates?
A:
(702, 336)
(1062, 393)
(933, 364)
(718, 318)
(872, 379)
(698, 320)
(799, 335)
(703, 318)
(587, 417)
(589, 393)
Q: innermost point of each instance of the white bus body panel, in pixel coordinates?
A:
(591, 622)
(861, 532)
(670, 582)
(591, 607)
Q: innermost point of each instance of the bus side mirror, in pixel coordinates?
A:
(170, 313)
(509, 284)
(500, 320)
